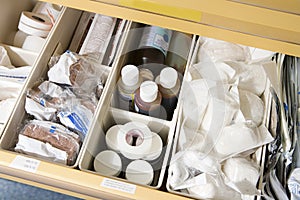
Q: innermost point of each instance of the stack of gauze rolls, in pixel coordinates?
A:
(136, 143)
(35, 26)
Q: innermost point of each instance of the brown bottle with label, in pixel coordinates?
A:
(147, 99)
(153, 45)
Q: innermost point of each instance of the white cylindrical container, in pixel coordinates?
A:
(127, 85)
(140, 171)
(134, 140)
(111, 138)
(108, 163)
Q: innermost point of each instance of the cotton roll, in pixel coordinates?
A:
(33, 43)
(108, 163)
(135, 140)
(111, 138)
(35, 20)
(140, 171)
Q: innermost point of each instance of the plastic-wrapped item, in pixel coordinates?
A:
(252, 77)
(56, 135)
(251, 106)
(217, 71)
(294, 184)
(84, 75)
(242, 174)
(241, 137)
(218, 50)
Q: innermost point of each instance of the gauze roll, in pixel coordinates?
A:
(156, 147)
(251, 106)
(111, 138)
(243, 173)
(33, 43)
(135, 140)
(252, 77)
(108, 163)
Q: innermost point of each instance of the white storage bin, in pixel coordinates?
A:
(259, 155)
(111, 115)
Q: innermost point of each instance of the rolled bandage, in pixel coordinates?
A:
(32, 31)
(140, 171)
(110, 138)
(33, 43)
(108, 163)
(135, 140)
(35, 20)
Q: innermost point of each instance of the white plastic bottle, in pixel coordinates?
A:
(128, 83)
(169, 86)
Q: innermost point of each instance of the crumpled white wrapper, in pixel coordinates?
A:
(241, 137)
(218, 50)
(251, 106)
(6, 107)
(242, 175)
(252, 77)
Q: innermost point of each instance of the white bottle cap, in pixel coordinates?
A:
(148, 91)
(168, 77)
(139, 171)
(130, 75)
(108, 163)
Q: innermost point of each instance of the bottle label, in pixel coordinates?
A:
(157, 37)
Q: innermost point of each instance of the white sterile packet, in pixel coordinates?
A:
(6, 107)
(260, 55)
(76, 117)
(252, 77)
(218, 50)
(251, 106)
(241, 137)
(35, 147)
(4, 58)
(241, 174)
(60, 72)
(39, 111)
(217, 71)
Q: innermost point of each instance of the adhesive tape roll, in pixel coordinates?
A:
(32, 31)
(19, 38)
(156, 147)
(110, 138)
(33, 43)
(35, 20)
(140, 171)
(108, 163)
(135, 140)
